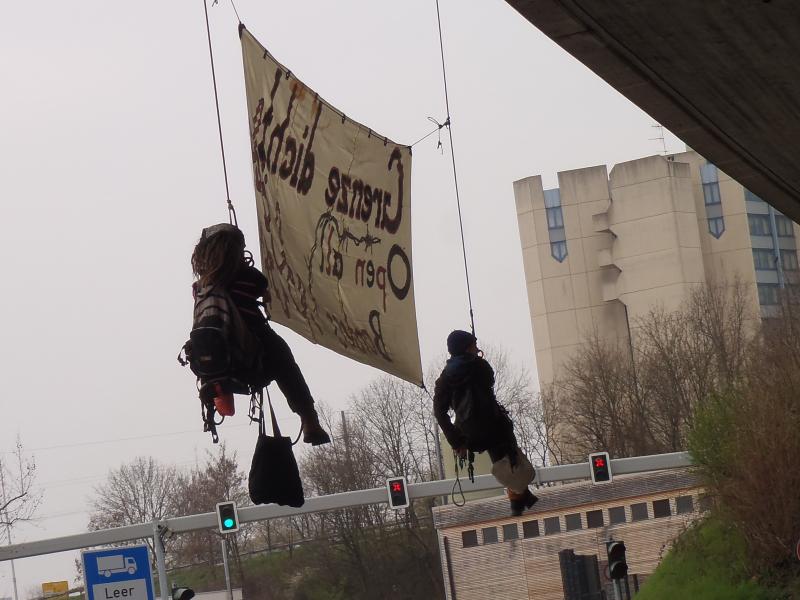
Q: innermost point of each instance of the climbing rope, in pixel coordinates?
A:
(448, 123)
(231, 210)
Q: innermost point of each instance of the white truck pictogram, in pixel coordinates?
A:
(115, 563)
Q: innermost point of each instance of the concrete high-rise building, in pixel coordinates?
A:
(602, 250)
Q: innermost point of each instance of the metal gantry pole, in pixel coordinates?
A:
(227, 570)
(161, 564)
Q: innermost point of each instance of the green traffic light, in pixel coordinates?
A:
(228, 523)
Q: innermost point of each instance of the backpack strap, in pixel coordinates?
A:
(257, 405)
(276, 431)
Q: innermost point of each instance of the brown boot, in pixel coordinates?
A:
(313, 433)
(521, 502)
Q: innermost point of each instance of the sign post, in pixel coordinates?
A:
(121, 573)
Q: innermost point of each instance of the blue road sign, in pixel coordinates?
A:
(118, 573)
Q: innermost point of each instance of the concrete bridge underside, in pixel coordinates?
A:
(723, 75)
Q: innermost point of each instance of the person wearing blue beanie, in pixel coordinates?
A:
(466, 386)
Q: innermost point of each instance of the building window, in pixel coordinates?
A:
(764, 259)
(552, 525)
(558, 250)
(789, 260)
(759, 224)
(710, 179)
(784, 227)
(469, 538)
(530, 529)
(661, 508)
(684, 504)
(555, 224)
(712, 199)
(489, 535)
(751, 197)
(716, 226)
(573, 522)
(552, 198)
(617, 515)
(639, 511)
(706, 503)
(594, 518)
(555, 219)
(768, 294)
(510, 532)
(711, 193)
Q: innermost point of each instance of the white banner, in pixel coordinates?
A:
(334, 211)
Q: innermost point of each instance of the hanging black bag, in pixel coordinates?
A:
(274, 476)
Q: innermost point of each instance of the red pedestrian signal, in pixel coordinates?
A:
(600, 467)
(398, 493)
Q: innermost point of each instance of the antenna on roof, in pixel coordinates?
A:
(660, 137)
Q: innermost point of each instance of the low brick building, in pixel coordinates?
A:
(486, 553)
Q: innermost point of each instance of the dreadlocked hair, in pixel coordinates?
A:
(218, 257)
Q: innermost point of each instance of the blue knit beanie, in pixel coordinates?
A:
(459, 341)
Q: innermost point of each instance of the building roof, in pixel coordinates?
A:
(568, 496)
(723, 76)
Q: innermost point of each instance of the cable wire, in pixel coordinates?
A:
(455, 175)
(238, 18)
(231, 209)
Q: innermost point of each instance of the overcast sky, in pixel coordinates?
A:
(110, 166)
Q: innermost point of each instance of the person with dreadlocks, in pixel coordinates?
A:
(466, 386)
(219, 259)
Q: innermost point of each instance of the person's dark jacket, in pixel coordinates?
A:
(461, 371)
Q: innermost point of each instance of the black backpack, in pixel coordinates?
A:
(479, 417)
(221, 351)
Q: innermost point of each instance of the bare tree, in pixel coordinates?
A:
(141, 491)
(641, 399)
(600, 402)
(389, 413)
(18, 500)
(198, 491)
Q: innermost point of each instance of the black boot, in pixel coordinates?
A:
(313, 433)
(521, 502)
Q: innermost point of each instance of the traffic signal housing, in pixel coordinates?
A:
(182, 593)
(600, 467)
(617, 563)
(227, 517)
(398, 493)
